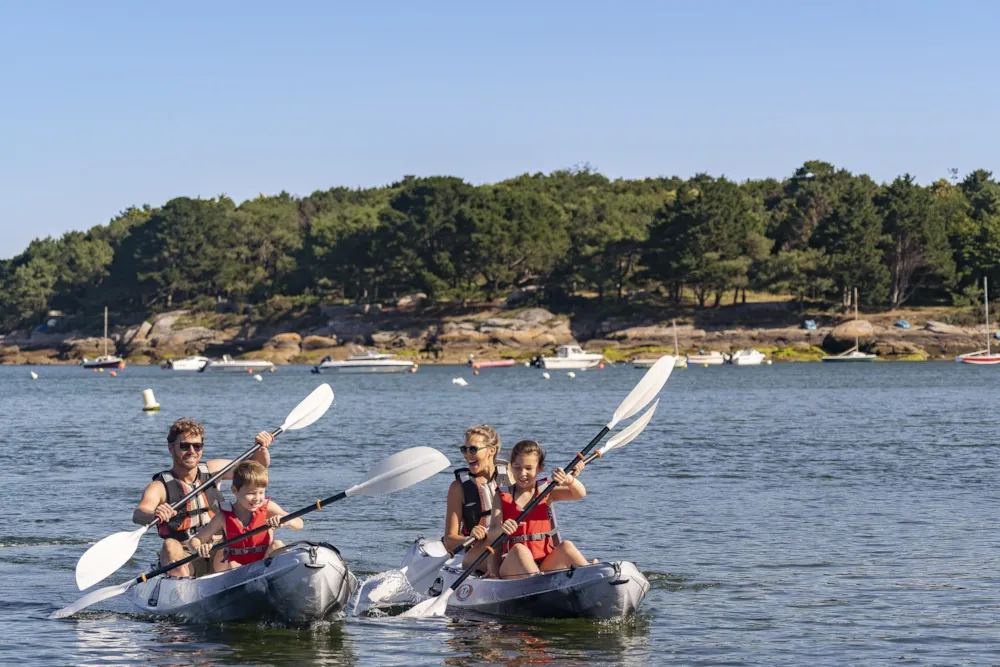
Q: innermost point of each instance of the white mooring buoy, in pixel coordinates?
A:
(149, 401)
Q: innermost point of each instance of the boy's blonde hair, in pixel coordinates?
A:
(528, 447)
(486, 432)
(250, 472)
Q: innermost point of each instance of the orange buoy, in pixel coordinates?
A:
(113, 374)
(271, 369)
(601, 365)
(475, 371)
(249, 371)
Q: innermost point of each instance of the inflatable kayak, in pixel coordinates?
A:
(300, 583)
(604, 590)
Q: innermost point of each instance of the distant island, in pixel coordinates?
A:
(436, 268)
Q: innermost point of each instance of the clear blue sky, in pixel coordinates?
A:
(106, 104)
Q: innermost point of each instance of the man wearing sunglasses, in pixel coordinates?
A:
(185, 442)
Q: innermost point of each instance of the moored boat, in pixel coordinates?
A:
(369, 362)
(299, 583)
(713, 358)
(604, 590)
(187, 364)
(106, 360)
(229, 365)
(982, 357)
(571, 357)
(499, 363)
(747, 358)
(854, 353)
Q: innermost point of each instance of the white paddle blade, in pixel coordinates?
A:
(644, 392)
(91, 598)
(310, 409)
(632, 432)
(400, 471)
(433, 607)
(104, 558)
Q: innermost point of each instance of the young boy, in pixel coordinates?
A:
(252, 510)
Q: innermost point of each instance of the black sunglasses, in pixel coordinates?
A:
(188, 446)
(473, 449)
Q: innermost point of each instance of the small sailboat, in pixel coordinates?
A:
(982, 357)
(854, 354)
(106, 360)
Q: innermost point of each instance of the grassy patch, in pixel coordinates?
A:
(812, 353)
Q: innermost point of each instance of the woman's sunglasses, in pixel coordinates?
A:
(189, 446)
(466, 449)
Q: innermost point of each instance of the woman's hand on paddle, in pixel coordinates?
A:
(164, 512)
(479, 532)
(509, 527)
(264, 439)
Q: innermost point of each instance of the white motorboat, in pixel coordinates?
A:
(187, 364)
(707, 358)
(603, 590)
(106, 360)
(644, 363)
(369, 362)
(571, 358)
(229, 365)
(300, 583)
(982, 357)
(747, 358)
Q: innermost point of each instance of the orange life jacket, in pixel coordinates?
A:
(253, 548)
(196, 513)
(538, 531)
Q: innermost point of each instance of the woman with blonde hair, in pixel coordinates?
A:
(470, 496)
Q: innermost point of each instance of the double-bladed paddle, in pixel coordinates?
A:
(397, 472)
(105, 558)
(638, 398)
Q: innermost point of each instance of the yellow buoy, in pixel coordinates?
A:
(149, 401)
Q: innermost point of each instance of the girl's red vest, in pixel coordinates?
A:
(538, 531)
(253, 548)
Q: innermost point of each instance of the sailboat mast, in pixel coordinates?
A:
(986, 306)
(674, 323)
(857, 338)
(105, 331)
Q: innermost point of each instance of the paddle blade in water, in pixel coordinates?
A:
(433, 607)
(104, 558)
(632, 432)
(92, 598)
(644, 392)
(310, 409)
(401, 470)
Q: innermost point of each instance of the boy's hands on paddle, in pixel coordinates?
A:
(264, 439)
(204, 549)
(274, 521)
(479, 532)
(578, 468)
(164, 512)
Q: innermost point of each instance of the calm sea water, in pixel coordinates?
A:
(791, 514)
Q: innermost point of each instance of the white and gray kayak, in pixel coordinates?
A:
(604, 590)
(300, 583)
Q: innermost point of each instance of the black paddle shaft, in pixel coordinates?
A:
(214, 478)
(318, 505)
(527, 510)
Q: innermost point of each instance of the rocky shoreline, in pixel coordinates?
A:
(487, 333)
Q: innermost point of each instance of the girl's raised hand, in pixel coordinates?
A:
(562, 479)
(509, 527)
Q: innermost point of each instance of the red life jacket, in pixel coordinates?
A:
(253, 548)
(538, 531)
(196, 512)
